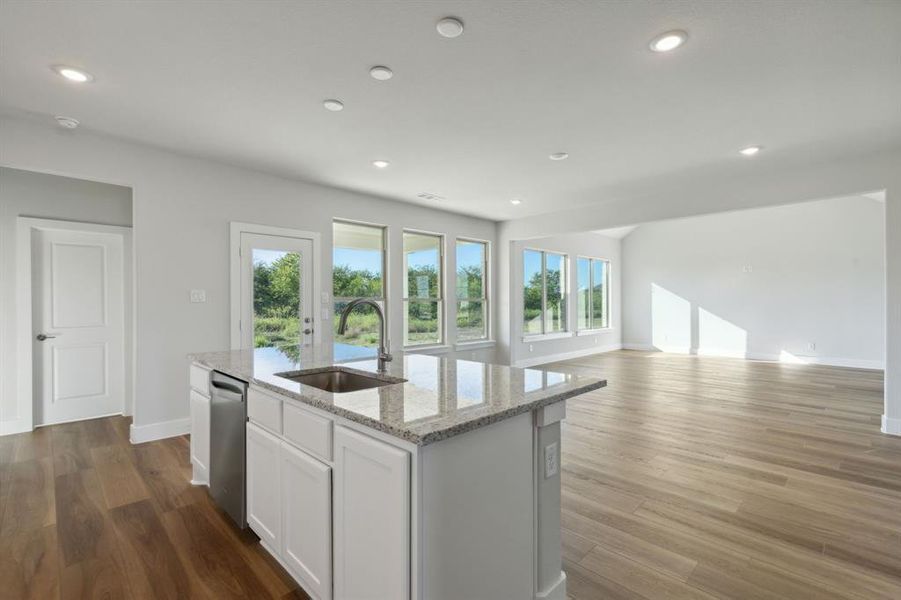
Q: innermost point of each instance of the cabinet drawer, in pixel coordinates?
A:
(264, 409)
(200, 380)
(309, 431)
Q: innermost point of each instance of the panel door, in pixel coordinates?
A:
(372, 518)
(79, 327)
(276, 291)
(307, 520)
(264, 513)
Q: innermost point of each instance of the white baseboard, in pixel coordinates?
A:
(13, 426)
(158, 431)
(830, 361)
(891, 425)
(548, 358)
(556, 592)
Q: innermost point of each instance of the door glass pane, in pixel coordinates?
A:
(555, 277)
(423, 324)
(471, 320)
(599, 317)
(532, 287)
(276, 298)
(583, 272)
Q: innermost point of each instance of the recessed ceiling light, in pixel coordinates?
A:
(380, 164)
(515, 201)
(333, 105)
(450, 27)
(73, 74)
(67, 122)
(750, 150)
(669, 41)
(381, 73)
(559, 156)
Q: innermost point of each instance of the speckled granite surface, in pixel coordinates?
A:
(442, 397)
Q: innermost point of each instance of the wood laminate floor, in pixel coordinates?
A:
(84, 514)
(701, 477)
(686, 477)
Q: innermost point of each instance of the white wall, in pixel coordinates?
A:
(533, 350)
(28, 194)
(182, 208)
(762, 283)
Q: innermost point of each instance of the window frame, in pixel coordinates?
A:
(591, 260)
(485, 299)
(441, 299)
(383, 300)
(567, 330)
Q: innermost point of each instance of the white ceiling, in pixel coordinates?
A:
(471, 119)
(617, 233)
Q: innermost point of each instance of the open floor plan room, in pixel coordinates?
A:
(483, 300)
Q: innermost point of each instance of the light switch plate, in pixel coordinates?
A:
(198, 296)
(551, 460)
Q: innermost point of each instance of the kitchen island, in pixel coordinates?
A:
(441, 481)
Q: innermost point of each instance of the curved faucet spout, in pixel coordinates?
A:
(384, 356)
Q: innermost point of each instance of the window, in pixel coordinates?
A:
(358, 271)
(423, 307)
(544, 292)
(593, 293)
(472, 290)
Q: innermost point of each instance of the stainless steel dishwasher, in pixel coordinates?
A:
(228, 418)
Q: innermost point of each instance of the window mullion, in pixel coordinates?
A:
(543, 292)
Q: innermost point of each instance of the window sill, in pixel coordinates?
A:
(427, 349)
(474, 344)
(539, 337)
(595, 331)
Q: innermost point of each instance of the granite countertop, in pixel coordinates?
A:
(441, 397)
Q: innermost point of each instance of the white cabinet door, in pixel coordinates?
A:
(264, 511)
(200, 438)
(372, 518)
(307, 520)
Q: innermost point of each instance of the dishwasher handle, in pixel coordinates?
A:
(228, 387)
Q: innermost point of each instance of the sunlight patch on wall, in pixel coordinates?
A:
(670, 320)
(717, 336)
(788, 357)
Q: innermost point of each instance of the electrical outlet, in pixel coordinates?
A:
(551, 460)
(531, 347)
(748, 269)
(811, 346)
(198, 296)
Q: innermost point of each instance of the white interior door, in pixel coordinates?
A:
(79, 327)
(276, 290)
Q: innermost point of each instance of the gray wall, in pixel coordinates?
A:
(803, 281)
(182, 210)
(29, 194)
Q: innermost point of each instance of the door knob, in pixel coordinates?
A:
(44, 336)
(307, 331)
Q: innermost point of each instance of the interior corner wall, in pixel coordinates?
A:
(182, 210)
(29, 194)
(798, 282)
(526, 351)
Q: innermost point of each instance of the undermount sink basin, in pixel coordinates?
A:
(339, 381)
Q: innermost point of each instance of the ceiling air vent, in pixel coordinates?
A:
(430, 196)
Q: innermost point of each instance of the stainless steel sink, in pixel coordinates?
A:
(339, 381)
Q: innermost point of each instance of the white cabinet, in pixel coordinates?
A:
(372, 518)
(307, 520)
(199, 404)
(200, 438)
(264, 511)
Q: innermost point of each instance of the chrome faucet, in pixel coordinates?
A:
(384, 355)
